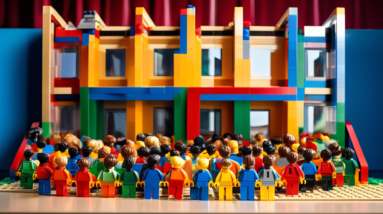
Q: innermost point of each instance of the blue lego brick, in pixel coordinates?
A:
(292, 60)
(183, 34)
(176, 90)
(67, 39)
(90, 31)
(324, 98)
(177, 51)
(293, 28)
(315, 39)
(301, 38)
(85, 39)
(293, 76)
(315, 84)
(67, 97)
(157, 90)
(301, 94)
(246, 33)
(247, 97)
(191, 6)
(132, 30)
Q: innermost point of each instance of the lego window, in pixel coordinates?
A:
(212, 62)
(315, 62)
(66, 119)
(163, 121)
(320, 119)
(115, 62)
(163, 62)
(260, 122)
(210, 122)
(260, 62)
(67, 62)
(115, 122)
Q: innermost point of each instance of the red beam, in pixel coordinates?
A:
(74, 83)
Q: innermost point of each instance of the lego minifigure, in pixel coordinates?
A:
(225, 152)
(83, 178)
(72, 166)
(292, 175)
(44, 174)
(108, 177)
(258, 156)
(98, 165)
(177, 178)
(269, 179)
(352, 167)
(225, 180)
(85, 140)
(195, 151)
(226, 138)
(165, 140)
(289, 140)
(152, 141)
(326, 170)
(309, 169)
(248, 179)
(95, 145)
(129, 178)
(40, 144)
(33, 135)
(56, 138)
(202, 180)
(109, 141)
(62, 177)
(181, 149)
(27, 170)
(258, 139)
(301, 159)
(165, 149)
(234, 152)
(282, 161)
(239, 138)
(276, 142)
(152, 178)
(340, 166)
(86, 151)
(72, 141)
(200, 141)
(211, 149)
(126, 151)
(266, 145)
(62, 150)
(142, 153)
(140, 141)
(154, 150)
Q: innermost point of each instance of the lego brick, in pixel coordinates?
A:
(177, 70)
(67, 39)
(246, 49)
(131, 97)
(183, 34)
(190, 11)
(246, 97)
(318, 91)
(184, 11)
(315, 39)
(67, 97)
(315, 31)
(301, 93)
(183, 70)
(246, 119)
(315, 84)
(246, 73)
(324, 98)
(238, 117)
(84, 109)
(300, 113)
(62, 90)
(85, 39)
(157, 90)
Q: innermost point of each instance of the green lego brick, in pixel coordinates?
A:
(375, 181)
(93, 119)
(246, 120)
(84, 109)
(101, 120)
(301, 130)
(340, 123)
(238, 117)
(180, 103)
(46, 129)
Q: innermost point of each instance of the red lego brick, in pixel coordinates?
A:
(288, 90)
(139, 29)
(97, 34)
(184, 11)
(74, 83)
(247, 24)
(61, 32)
(198, 32)
(265, 90)
(139, 19)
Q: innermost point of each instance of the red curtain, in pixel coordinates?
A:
(360, 14)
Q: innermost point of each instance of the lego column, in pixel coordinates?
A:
(242, 118)
(180, 115)
(292, 46)
(134, 118)
(291, 117)
(238, 46)
(301, 83)
(96, 120)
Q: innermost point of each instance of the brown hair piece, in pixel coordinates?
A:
(110, 161)
(292, 157)
(226, 163)
(72, 141)
(308, 155)
(128, 151)
(326, 155)
(276, 140)
(289, 140)
(61, 160)
(268, 161)
(257, 150)
(301, 149)
(109, 140)
(259, 138)
(83, 163)
(249, 162)
(103, 152)
(224, 151)
(283, 151)
(335, 149)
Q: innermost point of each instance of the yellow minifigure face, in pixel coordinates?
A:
(202, 163)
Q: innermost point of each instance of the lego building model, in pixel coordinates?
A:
(162, 97)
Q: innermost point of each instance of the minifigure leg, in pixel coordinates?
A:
(132, 191)
(272, 193)
(171, 190)
(295, 188)
(125, 191)
(346, 179)
(148, 192)
(80, 190)
(204, 194)
(86, 191)
(104, 190)
(194, 193)
(65, 190)
(221, 193)
(289, 188)
(250, 193)
(112, 191)
(156, 192)
(302, 187)
(59, 190)
(244, 193)
(229, 193)
(29, 183)
(41, 187)
(340, 180)
(333, 181)
(351, 180)
(329, 186)
(179, 192)
(23, 181)
(325, 185)
(263, 193)
(47, 188)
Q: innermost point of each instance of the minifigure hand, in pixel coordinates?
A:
(98, 184)
(302, 180)
(334, 175)
(91, 184)
(34, 176)
(357, 171)
(344, 173)
(75, 183)
(142, 183)
(121, 183)
(318, 177)
(237, 183)
(138, 184)
(284, 183)
(164, 184)
(257, 183)
(211, 184)
(116, 183)
(18, 174)
(216, 185)
(68, 182)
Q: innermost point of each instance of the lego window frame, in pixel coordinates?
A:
(269, 125)
(220, 125)
(161, 42)
(155, 120)
(272, 49)
(315, 46)
(209, 69)
(106, 121)
(102, 62)
(321, 104)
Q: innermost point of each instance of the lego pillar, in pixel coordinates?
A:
(134, 123)
(242, 118)
(290, 109)
(292, 34)
(238, 46)
(84, 109)
(96, 120)
(180, 115)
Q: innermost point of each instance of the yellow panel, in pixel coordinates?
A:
(62, 90)
(238, 53)
(183, 70)
(207, 82)
(190, 73)
(238, 73)
(197, 60)
(318, 91)
(246, 75)
(177, 70)
(300, 113)
(190, 31)
(48, 31)
(292, 118)
(140, 10)
(134, 115)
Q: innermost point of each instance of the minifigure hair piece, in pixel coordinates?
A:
(292, 157)
(140, 137)
(348, 153)
(153, 160)
(61, 160)
(128, 163)
(249, 162)
(238, 137)
(165, 140)
(215, 137)
(72, 141)
(95, 145)
(73, 152)
(265, 144)
(202, 163)
(283, 151)
(257, 150)
(301, 149)
(211, 149)
(180, 147)
(165, 149)
(43, 158)
(224, 151)
(226, 163)
(270, 150)
(110, 161)
(199, 141)
(86, 150)
(176, 162)
(289, 140)
(195, 151)
(34, 133)
(83, 163)
(308, 155)
(174, 152)
(155, 150)
(326, 155)
(128, 151)
(62, 147)
(227, 135)
(130, 142)
(335, 149)
(85, 140)
(259, 138)
(143, 152)
(109, 140)
(276, 140)
(41, 144)
(152, 141)
(103, 152)
(268, 161)
(246, 150)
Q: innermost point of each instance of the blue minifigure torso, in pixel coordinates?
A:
(152, 177)
(48, 149)
(72, 166)
(247, 177)
(183, 156)
(201, 178)
(309, 168)
(163, 161)
(235, 157)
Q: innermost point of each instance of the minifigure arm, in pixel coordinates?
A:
(276, 175)
(20, 167)
(240, 175)
(256, 175)
(137, 176)
(210, 178)
(195, 176)
(332, 166)
(160, 175)
(233, 178)
(315, 168)
(185, 175)
(300, 172)
(121, 178)
(99, 176)
(355, 164)
(319, 171)
(145, 175)
(218, 178)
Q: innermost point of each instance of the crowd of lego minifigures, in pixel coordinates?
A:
(156, 161)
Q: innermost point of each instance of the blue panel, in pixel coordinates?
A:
(293, 28)
(85, 39)
(157, 90)
(67, 97)
(315, 84)
(67, 39)
(247, 97)
(131, 30)
(315, 39)
(183, 34)
(300, 94)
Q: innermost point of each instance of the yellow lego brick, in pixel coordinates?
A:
(340, 11)
(190, 73)
(238, 54)
(190, 31)
(183, 70)
(246, 73)
(318, 91)
(292, 126)
(197, 60)
(140, 10)
(300, 113)
(190, 54)
(177, 81)
(292, 108)
(62, 90)
(189, 11)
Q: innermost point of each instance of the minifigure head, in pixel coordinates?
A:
(128, 151)
(140, 137)
(226, 163)
(348, 153)
(61, 160)
(335, 149)
(325, 155)
(155, 150)
(56, 147)
(130, 142)
(265, 144)
(41, 144)
(246, 150)
(103, 152)
(165, 140)
(86, 150)
(239, 138)
(180, 147)
(233, 144)
(34, 134)
(249, 162)
(128, 163)
(270, 150)
(257, 150)
(200, 141)
(110, 161)
(158, 135)
(121, 141)
(42, 158)
(86, 140)
(228, 136)
(109, 140)
(176, 162)
(153, 160)
(152, 141)
(289, 140)
(292, 157)
(258, 138)
(301, 149)
(308, 155)
(268, 161)
(283, 151)
(143, 152)
(72, 141)
(215, 137)
(83, 163)
(195, 151)
(276, 142)
(73, 152)
(62, 147)
(202, 163)
(165, 149)
(56, 137)
(224, 151)
(217, 144)
(95, 145)
(211, 149)
(174, 152)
